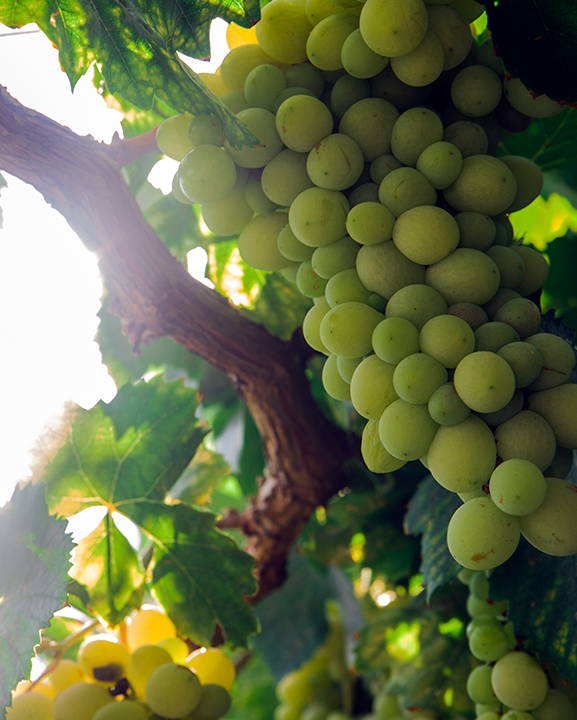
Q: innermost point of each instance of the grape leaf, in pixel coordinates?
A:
(560, 285)
(429, 513)
(540, 589)
(33, 580)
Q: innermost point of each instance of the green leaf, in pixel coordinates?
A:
(539, 589)
(429, 513)
(33, 580)
(280, 307)
(204, 472)
(560, 286)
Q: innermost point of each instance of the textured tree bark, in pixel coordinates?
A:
(154, 297)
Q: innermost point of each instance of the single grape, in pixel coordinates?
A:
(346, 286)
(283, 31)
(522, 314)
(358, 59)
(413, 132)
(476, 90)
(556, 706)
(416, 303)
(142, 662)
(207, 174)
(394, 339)
(335, 163)
(228, 216)
(405, 188)
(332, 259)
(124, 710)
(303, 121)
(205, 130)
(536, 270)
(483, 610)
(172, 138)
(426, 234)
(318, 217)
(526, 436)
(407, 430)
(377, 458)
(529, 180)
(372, 388)
(552, 528)
(285, 177)
(453, 32)
(309, 282)
(103, 659)
(80, 701)
(479, 587)
(477, 230)
(417, 377)
(369, 122)
(370, 223)
(466, 275)
(333, 382)
(176, 648)
(383, 269)
(30, 706)
(66, 673)
(485, 185)
(484, 381)
(558, 360)
(558, 405)
(525, 361)
(479, 687)
(212, 666)
(446, 407)
(262, 86)
(214, 703)
(488, 643)
(472, 314)
(326, 39)
(448, 339)
(148, 626)
(421, 66)
(258, 242)
(393, 27)
(173, 690)
(347, 329)
(519, 682)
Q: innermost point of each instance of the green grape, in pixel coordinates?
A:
(318, 217)
(103, 659)
(386, 707)
(413, 132)
(526, 436)
(465, 575)
(510, 264)
(80, 701)
(441, 164)
(405, 188)
(347, 367)
(472, 314)
(173, 690)
(421, 66)
(262, 125)
(448, 339)
(283, 31)
(416, 303)
(376, 457)
(148, 626)
(558, 361)
(257, 243)
(513, 407)
(214, 703)
(285, 177)
(393, 27)
(305, 75)
(291, 247)
(480, 536)
(476, 90)
(312, 326)
(124, 710)
(263, 85)
(177, 192)
(485, 185)
(310, 283)
(290, 92)
(346, 287)
(142, 662)
(525, 361)
(239, 62)
(31, 706)
(318, 10)
(519, 682)
(294, 688)
(335, 163)
(176, 648)
(479, 587)
(369, 122)
(383, 269)
(464, 276)
(517, 487)
(552, 528)
(407, 430)
(372, 387)
(556, 706)
(477, 230)
(205, 130)
(529, 181)
(469, 137)
(426, 234)
(332, 259)
(234, 100)
(484, 612)
(417, 377)
(284, 711)
(382, 166)
(525, 102)
(492, 336)
(370, 223)
(333, 382)
(521, 314)
(479, 687)
(66, 673)
(358, 59)
(453, 32)
(465, 496)
(394, 339)
(521, 715)
(536, 270)
(446, 407)
(347, 329)
(207, 174)
(256, 199)
(230, 215)
(290, 273)
(172, 138)
(502, 296)
(488, 643)
(326, 40)
(302, 121)
(484, 381)
(450, 454)
(346, 92)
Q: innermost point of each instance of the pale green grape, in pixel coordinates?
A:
(517, 487)
(309, 282)
(426, 234)
(358, 59)
(521, 715)
(441, 163)
(469, 137)
(407, 430)
(448, 339)
(526, 103)
(480, 536)
(383, 269)
(502, 296)
(476, 90)
(230, 215)
(556, 706)
(510, 264)
(205, 130)
(206, 174)
(256, 198)
(446, 407)
(465, 575)
(172, 138)
(291, 247)
(477, 230)
(214, 703)
(173, 690)
(525, 361)
(472, 314)
(479, 687)
(336, 257)
(318, 10)
(519, 682)
(394, 339)
(142, 662)
(65, 674)
(417, 377)
(234, 100)
(464, 276)
(103, 659)
(257, 243)
(370, 223)
(177, 192)
(318, 217)
(294, 689)
(552, 528)
(485, 185)
(307, 76)
(263, 126)
(421, 66)
(347, 367)
(488, 643)
(453, 31)
(312, 326)
(536, 270)
(148, 626)
(333, 382)
(326, 40)
(558, 361)
(450, 454)
(240, 61)
(492, 336)
(370, 124)
(513, 407)
(346, 92)
(529, 180)
(416, 303)
(302, 121)
(124, 710)
(346, 286)
(347, 329)
(80, 701)
(377, 458)
(283, 31)
(290, 92)
(285, 177)
(335, 163)
(263, 85)
(521, 314)
(405, 188)
(31, 706)
(484, 381)
(176, 648)
(372, 387)
(484, 612)
(479, 587)
(413, 132)
(393, 27)
(382, 166)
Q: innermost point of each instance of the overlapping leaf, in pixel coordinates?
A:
(33, 580)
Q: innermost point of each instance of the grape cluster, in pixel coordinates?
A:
(150, 676)
(377, 191)
(511, 684)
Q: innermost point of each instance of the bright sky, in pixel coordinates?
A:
(50, 287)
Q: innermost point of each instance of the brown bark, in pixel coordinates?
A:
(154, 296)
